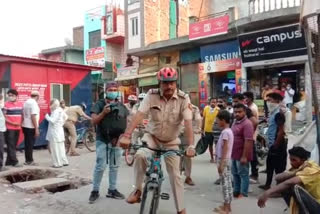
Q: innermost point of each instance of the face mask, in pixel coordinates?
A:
(112, 95)
(288, 87)
(272, 106)
(12, 98)
(132, 103)
(220, 106)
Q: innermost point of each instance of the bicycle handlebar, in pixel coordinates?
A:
(161, 151)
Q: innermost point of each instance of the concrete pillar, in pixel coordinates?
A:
(244, 79)
(308, 90)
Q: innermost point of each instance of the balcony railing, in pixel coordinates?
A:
(262, 6)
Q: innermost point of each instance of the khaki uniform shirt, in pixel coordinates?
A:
(166, 116)
(74, 112)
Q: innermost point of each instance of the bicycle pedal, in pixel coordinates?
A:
(165, 196)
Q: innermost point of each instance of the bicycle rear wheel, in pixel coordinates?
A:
(89, 140)
(150, 201)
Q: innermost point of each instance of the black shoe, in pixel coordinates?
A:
(217, 182)
(93, 196)
(115, 194)
(264, 187)
(236, 194)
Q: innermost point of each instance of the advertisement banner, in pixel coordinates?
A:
(95, 57)
(238, 80)
(210, 27)
(276, 45)
(131, 71)
(203, 87)
(224, 65)
(24, 89)
(221, 57)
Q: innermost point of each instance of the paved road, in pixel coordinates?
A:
(200, 199)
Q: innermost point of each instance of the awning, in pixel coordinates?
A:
(148, 79)
(126, 78)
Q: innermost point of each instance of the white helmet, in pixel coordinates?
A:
(142, 95)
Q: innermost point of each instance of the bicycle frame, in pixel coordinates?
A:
(154, 178)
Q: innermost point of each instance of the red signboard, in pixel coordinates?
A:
(203, 87)
(210, 27)
(95, 57)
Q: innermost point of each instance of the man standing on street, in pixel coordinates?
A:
(74, 113)
(288, 96)
(30, 125)
(13, 114)
(210, 113)
(110, 117)
(167, 107)
(277, 154)
(243, 130)
(249, 98)
(2, 141)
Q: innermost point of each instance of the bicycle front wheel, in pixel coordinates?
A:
(149, 201)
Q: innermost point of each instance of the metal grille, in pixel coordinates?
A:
(311, 27)
(261, 6)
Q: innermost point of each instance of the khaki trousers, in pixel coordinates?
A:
(188, 160)
(71, 135)
(172, 164)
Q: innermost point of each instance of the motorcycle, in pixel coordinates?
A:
(262, 143)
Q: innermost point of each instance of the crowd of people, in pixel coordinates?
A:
(227, 129)
(16, 116)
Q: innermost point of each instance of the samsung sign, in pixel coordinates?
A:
(220, 51)
(277, 45)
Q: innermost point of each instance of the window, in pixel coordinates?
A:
(61, 91)
(95, 39)
(134, 26)
(109, 24)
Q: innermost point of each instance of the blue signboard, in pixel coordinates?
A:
(220, 51)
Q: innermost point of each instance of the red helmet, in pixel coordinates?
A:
(167, 74)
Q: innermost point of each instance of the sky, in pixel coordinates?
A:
(29, 26)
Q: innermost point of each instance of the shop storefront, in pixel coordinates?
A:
(222, 63)
(276, 56)
(127, 79)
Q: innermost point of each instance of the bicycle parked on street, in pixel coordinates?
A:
(86, 135)
(152, 194)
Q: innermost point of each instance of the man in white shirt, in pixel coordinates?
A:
(30, 125)
(2, 131)
(288, 96)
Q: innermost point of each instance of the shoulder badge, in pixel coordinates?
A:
(182, 94)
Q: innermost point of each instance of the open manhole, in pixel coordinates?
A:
(39, 180)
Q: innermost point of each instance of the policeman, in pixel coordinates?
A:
(167, 107)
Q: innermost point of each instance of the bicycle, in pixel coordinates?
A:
(85, 134)
(154, 177)
(130, 152)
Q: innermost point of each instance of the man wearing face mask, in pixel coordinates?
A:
(13, 114)
(277, 155)
(110, 117)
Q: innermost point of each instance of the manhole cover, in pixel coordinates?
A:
(39, 180)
